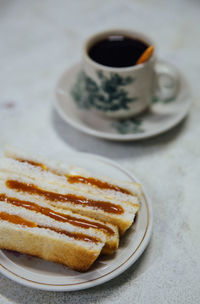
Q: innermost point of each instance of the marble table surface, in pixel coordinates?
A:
(39, 40)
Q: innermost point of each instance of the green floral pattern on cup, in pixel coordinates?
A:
(109, 94)
(127, 126)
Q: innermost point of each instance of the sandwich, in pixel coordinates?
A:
(62, 213)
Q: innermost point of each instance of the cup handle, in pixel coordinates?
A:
(167, 82)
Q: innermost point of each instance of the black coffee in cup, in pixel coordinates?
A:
(117, 51)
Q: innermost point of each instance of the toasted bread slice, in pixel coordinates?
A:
(80, 178)
(28, 232)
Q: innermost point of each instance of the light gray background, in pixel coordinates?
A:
(39, 40)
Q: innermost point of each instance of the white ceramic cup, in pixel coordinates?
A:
(134, 87)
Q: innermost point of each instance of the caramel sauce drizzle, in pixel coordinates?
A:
(96, 182)
(68, 198)
(80, 179)
(33, 163)
(56, 215)
(75, 235)
(15, 219)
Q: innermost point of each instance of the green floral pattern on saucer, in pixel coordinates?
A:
(135, 125)
(128, 126)
(108, 94)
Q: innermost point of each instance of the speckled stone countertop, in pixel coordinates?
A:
(39, 40)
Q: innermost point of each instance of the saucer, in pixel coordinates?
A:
(162, 115)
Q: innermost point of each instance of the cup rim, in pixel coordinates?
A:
(99, 35)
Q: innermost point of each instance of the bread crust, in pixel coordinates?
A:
(110, 246)
(49, 248)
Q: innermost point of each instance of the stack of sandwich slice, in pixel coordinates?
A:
(60, 213)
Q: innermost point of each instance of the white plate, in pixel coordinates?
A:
(162, 116)
(37, 273)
